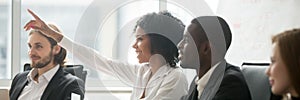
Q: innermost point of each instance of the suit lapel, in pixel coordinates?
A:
(194, 94)
(193, 86)
(53, 84)
(21, 86)
(214, 82)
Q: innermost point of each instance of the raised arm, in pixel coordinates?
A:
(88, 56)
(42, 26)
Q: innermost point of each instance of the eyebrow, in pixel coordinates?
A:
(38, 43)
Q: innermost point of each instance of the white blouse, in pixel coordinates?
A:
(166, 84)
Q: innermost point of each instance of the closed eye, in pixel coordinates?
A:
(29, 45)
(139, 38)
(38, 46)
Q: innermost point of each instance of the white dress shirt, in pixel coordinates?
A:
(167, 83)
(201, 83)
(34, 90)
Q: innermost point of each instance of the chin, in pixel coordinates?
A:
(142, 61)
(188, 65)
(183, 65)
(278, 91)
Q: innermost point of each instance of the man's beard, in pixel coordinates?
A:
(44, 61)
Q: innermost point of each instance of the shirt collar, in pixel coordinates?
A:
(161, 72)
(33, 72)
(47, 75)
(201, 83)
(204, 79)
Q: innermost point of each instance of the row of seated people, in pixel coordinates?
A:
(254, 73)
(158, 76)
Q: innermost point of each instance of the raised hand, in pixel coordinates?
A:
(35, 24)
(43, 27)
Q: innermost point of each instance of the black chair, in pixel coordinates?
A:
(257, 80)
(76, 70)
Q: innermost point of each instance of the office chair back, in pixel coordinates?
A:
(257, 80)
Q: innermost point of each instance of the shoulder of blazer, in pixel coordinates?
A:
(62, 80)
(62, 76)
(234, 73)
(71, 78)
(232, 70)
(17, 85)
(59, 78)
(20, 77)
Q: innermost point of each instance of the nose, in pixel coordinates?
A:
(31, 51)
(135, 45)
(180, 45)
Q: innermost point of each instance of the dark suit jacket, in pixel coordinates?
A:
(232, 87)
(59, 88)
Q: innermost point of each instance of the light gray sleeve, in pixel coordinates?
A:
(91, 58)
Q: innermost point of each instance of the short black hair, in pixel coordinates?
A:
(225, 27)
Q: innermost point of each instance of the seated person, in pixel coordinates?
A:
(203, 48)
(284, 71)
(47, 80)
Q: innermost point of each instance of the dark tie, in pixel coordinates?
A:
(194, 94)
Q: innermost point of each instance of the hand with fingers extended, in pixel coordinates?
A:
(43, 27)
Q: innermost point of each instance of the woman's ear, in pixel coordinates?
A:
(56, 49)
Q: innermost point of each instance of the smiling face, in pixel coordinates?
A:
(278, 74)
(142, 46)
(40, 51)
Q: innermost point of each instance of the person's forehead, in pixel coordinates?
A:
(275, 48)
(139, 31)
(193, 31)
(37, 38)
(186, 34)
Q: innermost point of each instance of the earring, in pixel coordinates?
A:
(287, 96)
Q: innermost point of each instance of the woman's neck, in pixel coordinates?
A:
(155, 62)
